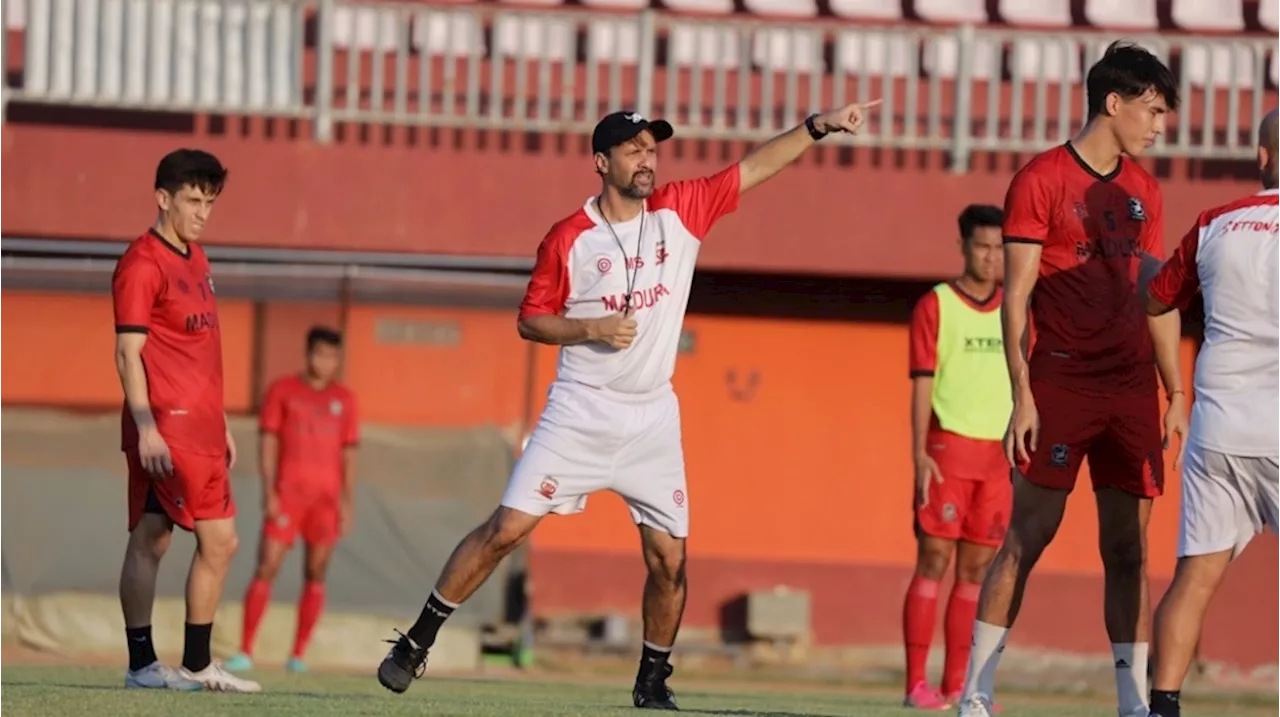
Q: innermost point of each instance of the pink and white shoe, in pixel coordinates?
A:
(924, 697)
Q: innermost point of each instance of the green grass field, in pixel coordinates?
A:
(63, 691)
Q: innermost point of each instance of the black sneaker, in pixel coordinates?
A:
(651, 691)
(406, 662)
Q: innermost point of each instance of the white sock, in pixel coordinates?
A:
(988, 643)
(1131, 675)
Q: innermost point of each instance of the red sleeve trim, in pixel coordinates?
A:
(923, 352)
(549, 285)
(702, 202)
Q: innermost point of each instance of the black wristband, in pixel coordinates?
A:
(813, 129)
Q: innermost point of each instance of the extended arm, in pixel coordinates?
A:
(771, 157)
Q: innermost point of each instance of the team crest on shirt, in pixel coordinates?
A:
(335, 407)
(1137, 212)
(1081, 211)
(1058, 455)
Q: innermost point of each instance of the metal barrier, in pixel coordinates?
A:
(959, 89)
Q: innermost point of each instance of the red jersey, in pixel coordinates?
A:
(159, 291)
(1091, 328)
(313, 426)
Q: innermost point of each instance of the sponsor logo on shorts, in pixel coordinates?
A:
(948, 513)
(1059, 455)
(678, 497)
(548, 487)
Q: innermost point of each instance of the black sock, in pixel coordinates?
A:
(434, 613)
(142, 651)
(652, 660)
(1166, 704)
(195, 652)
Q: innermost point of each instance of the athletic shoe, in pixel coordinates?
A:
(406, 662)
(651, 691)
(216, 679)
(157, 676)
(954, 699)
(978, 705)
(924, 697)
(239, 662)
(295, 665)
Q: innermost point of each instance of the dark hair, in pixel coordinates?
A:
(190, 168)
(323, 335)
(979, 215)
(1129, 71)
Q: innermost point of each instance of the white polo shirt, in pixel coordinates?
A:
(585, 269)
(1231, 256)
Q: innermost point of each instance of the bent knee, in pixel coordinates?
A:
(507, 529)
(218, 547)
(667, 566)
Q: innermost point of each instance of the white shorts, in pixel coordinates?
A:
(1225, 501)
(591, 439)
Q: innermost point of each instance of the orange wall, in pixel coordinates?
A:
(59, 350)
(800, 426)
(815, 466)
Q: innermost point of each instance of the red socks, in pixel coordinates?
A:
(919, 613)
(255, 605)
(309, 609)
(962, 610)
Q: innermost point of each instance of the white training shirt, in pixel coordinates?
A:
(582, 273)
(1231, 256)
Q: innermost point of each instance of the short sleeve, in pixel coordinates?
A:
(548, 289)
(1153, 231)
(702, 202)
(1027, 208)
(271, 418)
(1178, 280)
(135, 287)
(351, 428)
(924, 336)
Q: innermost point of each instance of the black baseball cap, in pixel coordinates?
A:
(620, 127)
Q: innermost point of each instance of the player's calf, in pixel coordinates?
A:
(1178, 624)
(471, 563)
(665, 591)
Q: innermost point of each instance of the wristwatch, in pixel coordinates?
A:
(813, 129)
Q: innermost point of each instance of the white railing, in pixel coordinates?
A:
(959, 89)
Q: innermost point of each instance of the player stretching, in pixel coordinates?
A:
(1077, 221)
(959, 409)
(1231, 474)
(610, 285)
(174, 431)
(307, 457)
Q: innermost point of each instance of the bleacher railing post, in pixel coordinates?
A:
(324, 72)
(962, 122)
(647, 61)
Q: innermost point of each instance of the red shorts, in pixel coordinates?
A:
(199, 489)
(973, 501)
(1120, 435)
(316, 518)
